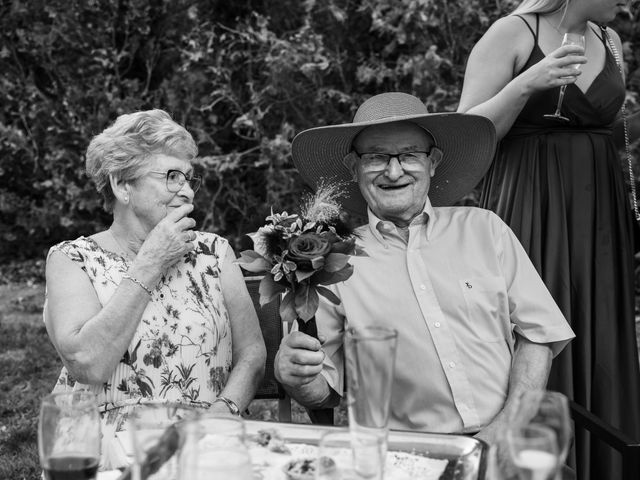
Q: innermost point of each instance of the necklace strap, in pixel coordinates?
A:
(632, 180)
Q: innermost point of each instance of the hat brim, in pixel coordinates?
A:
(468, 143)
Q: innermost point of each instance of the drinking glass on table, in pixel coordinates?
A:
(370, 357)
(345, 456)
(568, 39)
(548, 408)
(156, 432)
(215, 448)
(69, 436)
(534, 451)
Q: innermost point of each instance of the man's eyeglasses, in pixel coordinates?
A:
(176, 180)
(377, 162)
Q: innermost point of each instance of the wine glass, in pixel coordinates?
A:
(533, 450)
(568, 39)
(548, 408)
(69, 435)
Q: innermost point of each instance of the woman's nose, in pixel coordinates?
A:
(187, 191)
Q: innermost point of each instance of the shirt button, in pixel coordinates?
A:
(452, 364)
(437, 324)
(423, 287)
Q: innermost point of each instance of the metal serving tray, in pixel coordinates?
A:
(466, 455)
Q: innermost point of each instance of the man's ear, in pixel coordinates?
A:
(436, 158)
(350, 161)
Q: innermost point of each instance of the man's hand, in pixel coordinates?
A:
(495, 435)
(299, 360)
(493, 432)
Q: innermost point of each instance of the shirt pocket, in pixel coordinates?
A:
(487, 312)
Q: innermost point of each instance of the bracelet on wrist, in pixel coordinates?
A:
(231, 405)
(136, 281)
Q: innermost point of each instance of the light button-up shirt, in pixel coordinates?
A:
(457, 290)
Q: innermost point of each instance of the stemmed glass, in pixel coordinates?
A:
(568, 39)
(534, 451)
(69, 435)
(550, 409)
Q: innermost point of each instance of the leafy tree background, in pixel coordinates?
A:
(242, 76)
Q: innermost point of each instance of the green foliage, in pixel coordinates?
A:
(243, 77)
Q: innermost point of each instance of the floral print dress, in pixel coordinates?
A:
(181, 351)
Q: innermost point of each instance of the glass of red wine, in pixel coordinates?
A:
(69, 436)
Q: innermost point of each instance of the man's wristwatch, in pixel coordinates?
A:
(231, 405)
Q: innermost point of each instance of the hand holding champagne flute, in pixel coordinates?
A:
(568, 39)
(69, 436)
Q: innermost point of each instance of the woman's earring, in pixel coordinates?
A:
(126, 199)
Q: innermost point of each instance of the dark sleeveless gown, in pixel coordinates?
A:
(560, 187)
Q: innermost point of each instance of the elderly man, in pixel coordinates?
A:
(476, 324)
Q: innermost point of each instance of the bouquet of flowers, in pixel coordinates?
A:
(300, 254)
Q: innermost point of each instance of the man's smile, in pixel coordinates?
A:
(393, 186)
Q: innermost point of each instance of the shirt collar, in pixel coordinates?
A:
(379, 228)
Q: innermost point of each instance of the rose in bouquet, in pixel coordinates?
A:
(300, 255)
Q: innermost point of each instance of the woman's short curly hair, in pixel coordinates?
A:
(123, 149)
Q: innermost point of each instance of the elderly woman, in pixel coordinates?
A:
(151, 309)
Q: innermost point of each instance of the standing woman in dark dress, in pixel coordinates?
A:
(560, 186)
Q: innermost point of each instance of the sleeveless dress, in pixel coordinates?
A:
(181, 351)
(560, 187)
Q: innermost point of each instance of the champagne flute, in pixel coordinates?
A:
(69, 436)
(534, 451)
(568, 39)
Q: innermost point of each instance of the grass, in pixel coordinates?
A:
(29, 366)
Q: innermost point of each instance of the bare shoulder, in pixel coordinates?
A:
(512, 28)
(62, 271)
(508, 37)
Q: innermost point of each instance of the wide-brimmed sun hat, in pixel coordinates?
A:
(468, 143)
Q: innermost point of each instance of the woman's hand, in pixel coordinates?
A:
(560, 67)
(495, 85)
(170, 240)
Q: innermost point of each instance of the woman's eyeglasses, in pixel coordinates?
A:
(377, 162)
(176, 180)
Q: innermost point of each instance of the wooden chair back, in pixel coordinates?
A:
(272, 331)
